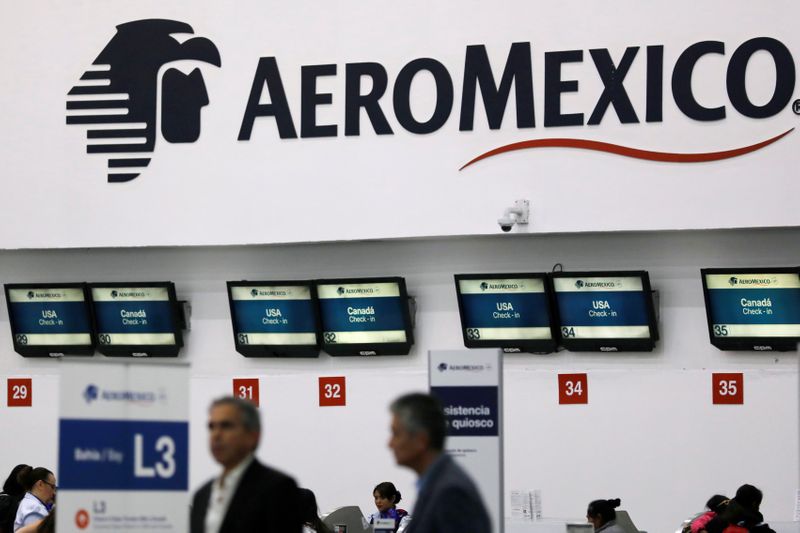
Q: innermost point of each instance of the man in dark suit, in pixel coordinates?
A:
(448, 501)
(247, 497)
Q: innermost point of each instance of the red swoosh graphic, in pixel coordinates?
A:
(597, 146)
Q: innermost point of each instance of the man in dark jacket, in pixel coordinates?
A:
(448, 501)
(247, 497)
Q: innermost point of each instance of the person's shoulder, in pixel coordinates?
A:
(267, 474)
(204, 491)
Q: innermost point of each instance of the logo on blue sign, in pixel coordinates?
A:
(91, 393)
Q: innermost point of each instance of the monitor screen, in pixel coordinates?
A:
(365, 316)
(605, 311)
(273, 319)
(508, 311)
(49, 320)
(753, 309)
(136, 319)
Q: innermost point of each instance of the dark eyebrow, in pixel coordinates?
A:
(223, 424)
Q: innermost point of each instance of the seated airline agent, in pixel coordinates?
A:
(41, 486)
(603, 517)
(448, 501)
(386, 499)
(247, 497)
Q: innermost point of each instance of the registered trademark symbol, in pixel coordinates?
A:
(796, 107)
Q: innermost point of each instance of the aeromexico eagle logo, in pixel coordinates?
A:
(127, 96)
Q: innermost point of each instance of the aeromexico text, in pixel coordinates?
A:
(518, 72)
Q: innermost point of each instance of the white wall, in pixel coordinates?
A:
(405, 184)
(649, 434)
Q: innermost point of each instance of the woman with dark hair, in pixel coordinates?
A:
(310, 513)
(603, 517)
(40, 484)
(12, 494)
(741, 515)
(386, 499)
(715, 505)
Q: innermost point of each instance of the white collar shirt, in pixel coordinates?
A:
(30, 510)
(222, 490)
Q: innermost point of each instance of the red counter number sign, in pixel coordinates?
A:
(573, 388)
(246, 389)
(332, 391)
(20, 392)
(727, 389)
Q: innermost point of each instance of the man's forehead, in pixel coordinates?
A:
(223, 411)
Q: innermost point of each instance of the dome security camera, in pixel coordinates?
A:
(518, 214)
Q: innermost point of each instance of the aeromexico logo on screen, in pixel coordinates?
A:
(129, 94)
(119, 94)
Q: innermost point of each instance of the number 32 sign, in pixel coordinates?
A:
(332, 391)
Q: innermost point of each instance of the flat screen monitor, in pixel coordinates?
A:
(274, 318)
(508, 311)
(367, 316)
(753, 308)
(137, 319)
(605, 311)
(50, 319)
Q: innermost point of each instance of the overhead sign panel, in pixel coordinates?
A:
(274, 318)
(365, 316)
(509, 311)
(49, 319)
(753, 309)
(605, 311)
(137, 319)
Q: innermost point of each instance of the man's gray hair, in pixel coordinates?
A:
(249, 412)
(421, 412)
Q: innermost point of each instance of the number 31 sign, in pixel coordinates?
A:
(246, 389)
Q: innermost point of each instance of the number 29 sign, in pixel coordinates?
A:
(20, 392)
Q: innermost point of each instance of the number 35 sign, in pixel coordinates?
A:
(727, 388)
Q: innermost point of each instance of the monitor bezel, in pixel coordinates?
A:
(745, 344)
(364, 349)
(141, 350)
(277, 350)
(610, 344)
(537, 346)
(26, 350)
